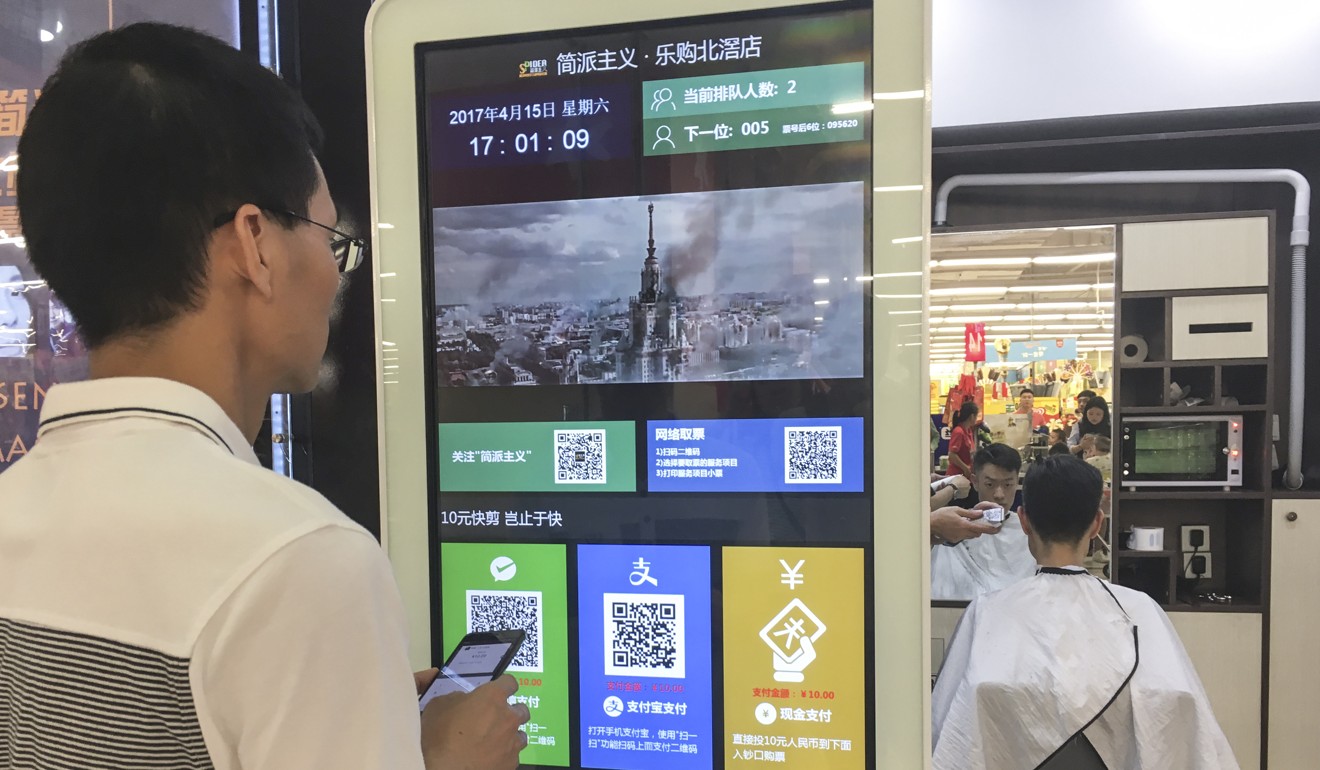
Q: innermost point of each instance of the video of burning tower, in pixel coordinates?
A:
(758, 284)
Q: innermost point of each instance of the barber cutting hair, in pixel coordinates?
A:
(1064, 671)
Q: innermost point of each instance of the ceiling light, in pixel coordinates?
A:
(973, 319)
(914, 274)
(46, 36)
(821, 280)
(1074, 259)
(901, 188)
(974, 308)
(1033, 318)
(954, 264)
(988, 290)
(1047, 289)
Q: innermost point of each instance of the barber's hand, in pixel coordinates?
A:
(954, 524)
(476, 730)
(962, 487)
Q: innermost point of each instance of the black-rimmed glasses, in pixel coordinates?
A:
(349, 252)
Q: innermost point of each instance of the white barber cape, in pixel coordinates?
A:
(1060, 653)
(978, 566)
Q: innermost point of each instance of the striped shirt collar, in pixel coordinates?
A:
(80, 403)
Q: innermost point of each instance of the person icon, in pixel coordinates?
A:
(664, 135)
(662, 97)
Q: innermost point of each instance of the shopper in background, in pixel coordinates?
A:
(962, 440)
(1064, 665)
(1083, 398)
(181, 606)
(1027, 405)
(1094, 422)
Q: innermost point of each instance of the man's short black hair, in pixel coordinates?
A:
(998, 455)
(1061, 495)
(1025, 391)
(1086, 394)
(142, 139)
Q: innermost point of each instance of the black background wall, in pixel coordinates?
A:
(1280, 136)
(322, 54)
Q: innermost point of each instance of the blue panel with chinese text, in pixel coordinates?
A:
(797, 455)
(644, 621)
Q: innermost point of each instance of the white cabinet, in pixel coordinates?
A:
(1294, 740)
(1196, 254)
(1223, 326)
(1225, 648)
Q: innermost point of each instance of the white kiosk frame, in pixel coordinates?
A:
(901, 170)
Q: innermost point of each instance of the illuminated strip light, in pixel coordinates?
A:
(384, 226)
(821, 280)
(901, 188)
(885, 96)
(852, 108)
(914, 274)
(980, 262)
(988, 290)
(1076, 259)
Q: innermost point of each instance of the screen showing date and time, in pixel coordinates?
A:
(647, 283)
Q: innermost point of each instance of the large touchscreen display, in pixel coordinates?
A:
(648, 254)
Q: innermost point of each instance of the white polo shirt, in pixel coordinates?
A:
(166, 602)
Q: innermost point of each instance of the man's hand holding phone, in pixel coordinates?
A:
(475, 730)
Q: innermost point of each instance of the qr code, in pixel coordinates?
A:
(579, 457)
(644, 635)
(507, 611)
(813, 455)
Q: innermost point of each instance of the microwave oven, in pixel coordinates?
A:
(1181, 451)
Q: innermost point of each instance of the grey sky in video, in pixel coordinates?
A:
(738, 241)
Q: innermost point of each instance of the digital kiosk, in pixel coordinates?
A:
(652, 379)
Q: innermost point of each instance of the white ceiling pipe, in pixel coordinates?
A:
(1300, 239)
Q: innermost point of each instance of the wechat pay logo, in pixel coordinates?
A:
(503, 568)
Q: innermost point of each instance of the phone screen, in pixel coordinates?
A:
(471, 666)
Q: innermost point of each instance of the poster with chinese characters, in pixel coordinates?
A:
(486, 587)
(645, 657)
(794, 668)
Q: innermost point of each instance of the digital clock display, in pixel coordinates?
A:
(562, 125)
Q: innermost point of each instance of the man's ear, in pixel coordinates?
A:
(1097, 525)
(1026, 522)
(250, 240)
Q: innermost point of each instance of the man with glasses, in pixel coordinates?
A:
(178, 605)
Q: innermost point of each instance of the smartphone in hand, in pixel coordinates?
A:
(479, 658)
